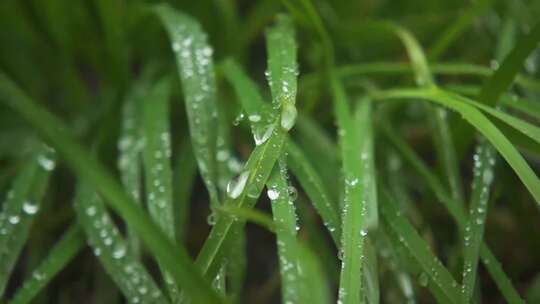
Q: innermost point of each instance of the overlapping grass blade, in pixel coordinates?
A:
(57, 259)
(457, 211)
(354, 204)
(195, 65)
(19, 209)
(440, 281)
(483, 125)
(112, 250)
(88, 169)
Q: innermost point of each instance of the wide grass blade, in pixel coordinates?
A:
(57, 259)
(354, 204)
(483, 125)
(19, 209)
(440, 281)
(88, 169)
(184, 170)
(196, 69)
(109, 246)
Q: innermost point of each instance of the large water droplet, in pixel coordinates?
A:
(288, 116)
(236, 186)
(273, 194)
(45, 162)
(261, 135)
(30, 207)
(14, 219)
(119, 251)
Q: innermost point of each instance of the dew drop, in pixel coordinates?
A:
(30, 207)
(211, 219)
(236, 186)
(14, 219)
(288, 116)
(273, 194)
(254, 118)
(119, 251)
(91, 211)
(46, 163)
(293, 193)
(262, 135)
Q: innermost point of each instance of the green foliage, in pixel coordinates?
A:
(390, 174)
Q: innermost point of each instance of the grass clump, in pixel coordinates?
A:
(391, 159)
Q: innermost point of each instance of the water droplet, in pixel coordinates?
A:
(273, 194)
(119, 251)
(494, 64)
(363, 232)
(261, 135)
(238, 119)
(30, 207)
(236, 186)
(254, 118)
(46, 163)
(488, 176)
(293, 193)
(288, 116)
(423, 279)
(211, 219)
(91, 211)
(14, 219)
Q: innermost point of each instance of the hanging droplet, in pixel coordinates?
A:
(288, 116)
(236, 186)
(273, 194)
(30, 207)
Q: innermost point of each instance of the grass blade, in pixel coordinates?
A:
(284, 213)
(439, 279)
(58, 258)
(184, 171)
(88, 169)
(457, 211)
(194, 61)
(484, 126)
(19, 209)
(354, 205)
(111, 249)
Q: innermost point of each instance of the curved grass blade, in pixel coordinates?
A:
(284, 213)
(19, 209)
(354, 205)
(88, 169)
(194, 61)
(440, 281)
(457, 211)
(111, 249)
(482, 124)
(58, 258)
(442, 136)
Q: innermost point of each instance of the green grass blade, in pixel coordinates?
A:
(284, 213)
(88, 169)
(354, 209)
(364, 125)
(437, 116)
(111, 249)
(57, 259)
(194, 61)
(315, 189)
(439, 278)
(19, 209)
(484, 161)
(484, 126)
(457, 211)
(129, 150)
(156, 156)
